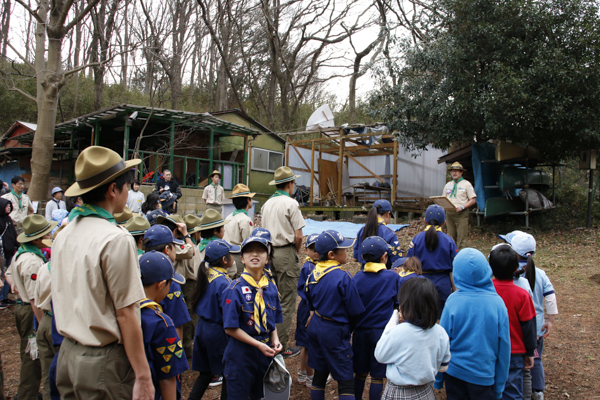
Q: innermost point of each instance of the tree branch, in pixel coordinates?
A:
(21, 57)
(30, 11)
(78, 17)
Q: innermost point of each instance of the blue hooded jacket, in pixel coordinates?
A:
(476, 321)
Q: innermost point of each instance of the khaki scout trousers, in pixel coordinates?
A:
(238, 264)
(31, 373)
(458, 227)
(286, 270)
(189, 328)
(47, 351)
(94, 373)
(218, 208)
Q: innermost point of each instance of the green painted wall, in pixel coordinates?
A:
(268, 142)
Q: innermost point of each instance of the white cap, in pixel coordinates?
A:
(523, 244)
(56, 190)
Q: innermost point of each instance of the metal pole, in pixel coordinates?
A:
(172, 147)
(590, 199)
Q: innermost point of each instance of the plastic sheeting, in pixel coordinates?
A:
(347, 229)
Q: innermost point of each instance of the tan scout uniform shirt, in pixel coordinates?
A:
(238, 229)
(464, 192)
(212, 195)
(24, 271)
(43, 292)
(282, 217)
(183, 260)
(95, 271)
(18, 214)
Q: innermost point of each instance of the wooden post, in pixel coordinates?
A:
(172, 147)
(312, 171)
(246, 160)
(126, 143)
(287, 151)
(211, 144)
(341, 170)
(395, 173)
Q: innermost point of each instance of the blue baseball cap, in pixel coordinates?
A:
(311, 239)
(330, 240)
(385, 205)
(399, 262)
(159, 234)
(375, 246)
(436, 212)
(255, 239)
(156, 266)
(216, 249)
(263, 233)
(509, 236)
(524, 244)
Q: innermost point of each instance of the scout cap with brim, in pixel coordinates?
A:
(35, 226)
(277, 381)
(215, 172)
(310, 239)
(156, 267)
(383, 204)
(211, 219)
(524, 244)
(283, 175)
(375, 246)
(399, 262)
(123, 217)
(509, 236)
(97, 166)
(255, 239)
(192, 222)
(456, 166)
(436, 212)
(56, 190)
(217, 249)
(160, 234)
(241, 190)
(263, 233)
(330, 240)
(166, 199)
(137, 225)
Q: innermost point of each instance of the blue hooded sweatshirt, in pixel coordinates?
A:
(476, 321)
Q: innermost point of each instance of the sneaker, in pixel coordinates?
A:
(309, 380)
(3, 305)
(291, 352)
(301, 376)
(216, 381)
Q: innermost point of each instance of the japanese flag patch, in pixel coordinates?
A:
(246, 290)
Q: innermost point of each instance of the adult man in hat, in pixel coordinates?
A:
(21, 203)
(461, 194)
(167, 184)
(240, 224)
(96, 287)
(22, 274)
(214, 194)
(282, 217)
(55, 203)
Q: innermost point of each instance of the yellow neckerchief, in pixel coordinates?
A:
(404, 273)
(322, 268)
(215, 272)
(151, 304)
(374, 267)
(380, 220)
(309, 259)
(437, 228)
(260, 314)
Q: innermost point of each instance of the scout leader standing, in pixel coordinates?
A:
(96, 288)
(240, 226)
(282, 217)
(214, 194)
(20, 201)
(461, 194)
(23, 273)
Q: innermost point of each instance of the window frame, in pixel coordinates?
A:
(254, 168)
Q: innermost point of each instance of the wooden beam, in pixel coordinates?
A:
(340, 171)
(312, 172)
(395, 178)
(303, 161)
(366, 169)
(355, 136)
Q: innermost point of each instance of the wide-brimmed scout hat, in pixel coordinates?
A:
(192, 222)
(96, 166)
(137, 225)
(123, 217)
(215, 172)
(34, 227)
(174, 218)
(283, 175)
(241, 190)
(456, 166)
(211, 219)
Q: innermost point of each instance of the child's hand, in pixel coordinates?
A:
(529, 362)
(277, 346)
(309, 318)
(266, 350)
(546, 328)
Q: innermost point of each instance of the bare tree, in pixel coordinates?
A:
(4, 27)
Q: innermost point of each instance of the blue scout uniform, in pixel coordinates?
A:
(332, 295)
(174, 305)
(303, 310)
(437, 264)
(246, 365)
(164, 349)
(210, 338)
(378, 289)
(388, 235)
(406, 275)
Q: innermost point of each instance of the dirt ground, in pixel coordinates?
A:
(571, 352)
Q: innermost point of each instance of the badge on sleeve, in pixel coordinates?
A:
(179, 353)
(167, 357)
(171, 348)
(161, 350)
(248, 297)
(166, 369)
(171, 340)
(246, 289)
(33, 277)
(170, 296)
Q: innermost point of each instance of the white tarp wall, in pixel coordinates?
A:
(419, 176)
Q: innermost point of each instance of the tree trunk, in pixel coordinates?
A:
(40, 50)
(4, 27)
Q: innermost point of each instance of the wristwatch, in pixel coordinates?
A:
(187, 236)
(463, 207)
